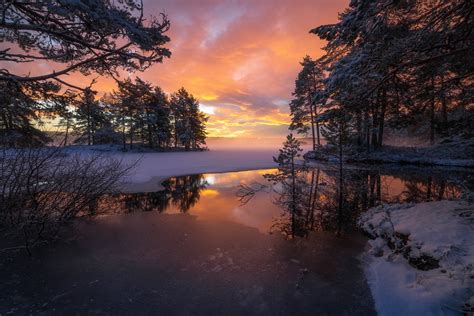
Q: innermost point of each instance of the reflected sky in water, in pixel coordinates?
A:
(213, 196)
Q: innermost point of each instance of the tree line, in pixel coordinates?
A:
(136, 112)
(403, 65)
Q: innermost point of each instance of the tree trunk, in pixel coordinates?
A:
(432, 121)
(88, 129)
(444, 105)
(150, 140)
(312, 127)
(367, 127)
(382, 118)
(318, 134)
(310, 203)
(175, 134)
(67, 132)
(374, 125)
(124, 140)
(293, 198)
(359, 128)
(379, 188)
(315, 198)
(341, 175)
(432, 112)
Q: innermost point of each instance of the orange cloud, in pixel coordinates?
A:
(238, 57)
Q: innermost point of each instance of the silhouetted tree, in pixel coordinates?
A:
(189, 123)
(89, 117)
(309, 94)
(22, 107)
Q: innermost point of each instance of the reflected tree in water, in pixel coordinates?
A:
(310, 197)
(296, 189)
(183, 192)
(429, 189)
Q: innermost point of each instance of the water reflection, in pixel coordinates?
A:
(317, 200)
(213, 197)
(179, 193)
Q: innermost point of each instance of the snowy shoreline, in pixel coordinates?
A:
(455, 154)
(153, 168)
(155, 182)
(420, 260)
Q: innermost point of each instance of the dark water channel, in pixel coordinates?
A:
(195, 248)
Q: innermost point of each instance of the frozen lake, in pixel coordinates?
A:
(193, 248)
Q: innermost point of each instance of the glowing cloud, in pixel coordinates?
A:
(238, 57)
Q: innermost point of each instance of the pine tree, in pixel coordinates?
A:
(142, 111)
(309, 94)
(400, 64)
(89, 117)
(157, 125)
(21, 109)
(291, 176)
(126, 103)
(189, 123)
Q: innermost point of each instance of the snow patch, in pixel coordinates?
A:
(436, 236)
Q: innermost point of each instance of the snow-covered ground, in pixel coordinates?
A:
(225, 155)
(437, 237)
(152, 168)
(457, 153)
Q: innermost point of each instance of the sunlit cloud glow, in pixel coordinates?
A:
(239, 58)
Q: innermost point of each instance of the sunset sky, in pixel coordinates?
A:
(239, 58)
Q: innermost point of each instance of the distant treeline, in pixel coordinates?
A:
(137, 112)
(402, 65)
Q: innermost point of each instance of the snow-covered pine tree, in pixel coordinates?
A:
(179, 106)
(375, 57)
(309, 95)
(189, 123)
(143, 111)
(198, 122)
(158, 118)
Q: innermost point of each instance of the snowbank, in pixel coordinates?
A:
(455, 154)
(421, 260)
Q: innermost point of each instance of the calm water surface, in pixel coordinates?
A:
(215, 196)
(195, 248)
